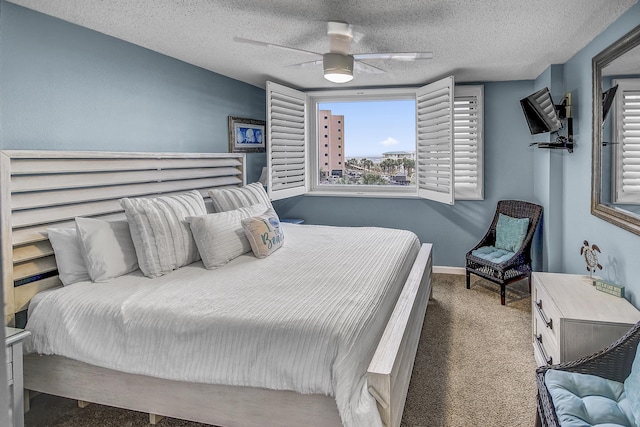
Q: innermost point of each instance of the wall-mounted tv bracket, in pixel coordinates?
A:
(562, 142)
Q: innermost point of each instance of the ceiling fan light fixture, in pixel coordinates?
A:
(338, 68)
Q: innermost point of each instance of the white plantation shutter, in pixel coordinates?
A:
(626, 112)
(468, 158)
(548, 108)
(434, 145)
(286, 141)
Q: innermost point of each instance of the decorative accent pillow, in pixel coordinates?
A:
(228, 199)
(264, 233)
(162, 238)
(69, 259)
(107, 248)
(220, 237)
(510, 232)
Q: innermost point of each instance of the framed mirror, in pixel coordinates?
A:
(615, 174)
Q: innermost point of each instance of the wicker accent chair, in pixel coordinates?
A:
(518, 266)
(613, 363)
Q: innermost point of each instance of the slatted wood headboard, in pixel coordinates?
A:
(40, 189)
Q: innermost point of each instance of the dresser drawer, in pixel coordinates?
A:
(10, 372)
(9, 354)
(546, 312)
(546, 326)
(545, 344)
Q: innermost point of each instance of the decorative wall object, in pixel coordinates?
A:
(590, 257)
(246, 135)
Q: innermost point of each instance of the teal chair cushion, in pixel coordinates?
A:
(584, 400)
(510, 232)
(492, 254)
(632, 386)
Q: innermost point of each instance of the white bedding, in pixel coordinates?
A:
(295, 320)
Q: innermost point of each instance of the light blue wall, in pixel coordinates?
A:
(454, 229)
(64, 87)
(547, 188)
(619, 247)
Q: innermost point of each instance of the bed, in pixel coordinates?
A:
(40, 189)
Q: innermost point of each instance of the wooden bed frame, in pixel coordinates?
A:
(40, 189)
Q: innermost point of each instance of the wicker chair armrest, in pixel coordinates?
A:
(519, 258)
(613, 363)
(546, 410)
(489, 239)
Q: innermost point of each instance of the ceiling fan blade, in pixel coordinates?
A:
(306, 64)
(357, 36)
(272, 45)
(363, 67)
(398, 56)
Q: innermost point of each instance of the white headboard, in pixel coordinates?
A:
(40, 189)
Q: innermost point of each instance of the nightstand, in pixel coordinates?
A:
(292, 220)
(13, 343)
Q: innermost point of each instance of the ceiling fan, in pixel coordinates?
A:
(339, 63)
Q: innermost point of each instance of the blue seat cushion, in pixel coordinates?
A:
(632, 386)
(492, 254)
(584, 400)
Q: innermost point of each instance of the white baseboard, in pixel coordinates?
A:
(448, 270)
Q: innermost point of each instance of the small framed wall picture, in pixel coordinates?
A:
(246, 135)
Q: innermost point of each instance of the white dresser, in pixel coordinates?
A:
(13, 343)
(571, 319)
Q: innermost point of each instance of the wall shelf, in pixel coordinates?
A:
(561, 145)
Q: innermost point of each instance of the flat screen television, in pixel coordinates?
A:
(607, 101)
(540, 112)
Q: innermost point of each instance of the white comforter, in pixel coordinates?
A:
(296, 320)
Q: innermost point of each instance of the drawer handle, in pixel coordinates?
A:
(538, 342)
(548, 322)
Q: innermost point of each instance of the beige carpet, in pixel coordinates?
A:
(475, 364)
(474, 367)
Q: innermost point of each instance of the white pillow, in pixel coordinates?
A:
(162, 238)
(107, 248)
(264, 233)
(69, 259)
(228, 199)
(220, 237)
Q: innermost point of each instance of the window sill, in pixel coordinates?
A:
(369, 194)
(380, 195)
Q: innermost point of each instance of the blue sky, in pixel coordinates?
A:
(374, 127)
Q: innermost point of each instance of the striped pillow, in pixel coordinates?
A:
(228, 199)
(162, 238)
(220, 237)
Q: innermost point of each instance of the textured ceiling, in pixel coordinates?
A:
(491, 40)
